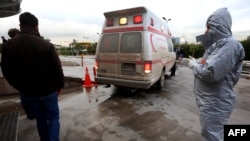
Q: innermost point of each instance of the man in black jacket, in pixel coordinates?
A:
(31, 65)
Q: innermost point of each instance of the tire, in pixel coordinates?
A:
(160, 82)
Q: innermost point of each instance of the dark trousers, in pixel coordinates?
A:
(46, 111)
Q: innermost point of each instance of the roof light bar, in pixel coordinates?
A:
(110, 22)
(138, 19)
(123, 21)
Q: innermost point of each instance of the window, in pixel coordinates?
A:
(170, 45)
(131, 43)
(109, 43)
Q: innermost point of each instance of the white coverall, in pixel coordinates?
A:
(214, 80)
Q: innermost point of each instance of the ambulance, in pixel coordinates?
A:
(134, 50)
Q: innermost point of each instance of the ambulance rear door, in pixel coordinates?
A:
(120, 51)
(107, 55)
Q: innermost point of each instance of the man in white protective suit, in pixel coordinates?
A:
(217, 74)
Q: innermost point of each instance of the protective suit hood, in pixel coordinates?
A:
(220, 24)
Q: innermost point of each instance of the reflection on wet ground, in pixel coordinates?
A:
(152, 116)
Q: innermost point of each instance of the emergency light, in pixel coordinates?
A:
(110, 22)
(123, 21)
(137, 19)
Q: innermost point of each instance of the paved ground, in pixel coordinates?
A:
(111, 114)
(106, 114)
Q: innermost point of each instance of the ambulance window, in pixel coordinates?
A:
(170, 45)
(131, 43)
(109, 43)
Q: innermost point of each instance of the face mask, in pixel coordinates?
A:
(205, 39)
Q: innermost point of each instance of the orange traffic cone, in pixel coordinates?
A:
(87, 81)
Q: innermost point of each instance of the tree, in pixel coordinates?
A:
(199, 50)
(246, 45)
(64, 51)
(185, 49)
(248, 37)
(92, 48)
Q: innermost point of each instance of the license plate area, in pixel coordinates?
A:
(128, 69)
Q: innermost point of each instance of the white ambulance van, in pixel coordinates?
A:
(135, 49)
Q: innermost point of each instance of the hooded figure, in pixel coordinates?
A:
(216, 77)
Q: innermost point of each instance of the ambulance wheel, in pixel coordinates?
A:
(173, 70)
(160, 82)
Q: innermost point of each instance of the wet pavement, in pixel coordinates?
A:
(115, 114)
(112, 114)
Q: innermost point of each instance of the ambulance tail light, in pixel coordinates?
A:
(96, 65)
(110, 22)
(138, 19)
(147, 66)
(123, 21)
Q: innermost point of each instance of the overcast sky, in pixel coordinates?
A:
(65, 20)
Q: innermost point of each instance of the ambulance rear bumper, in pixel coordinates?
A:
(124, 82)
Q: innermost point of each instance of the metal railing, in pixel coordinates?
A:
(244, 74)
